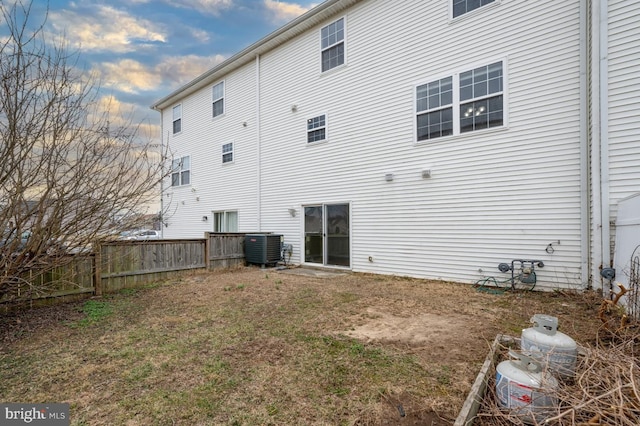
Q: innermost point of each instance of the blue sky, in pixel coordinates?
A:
(144, 49)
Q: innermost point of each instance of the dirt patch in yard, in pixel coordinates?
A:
(255, 346)
(437, 335)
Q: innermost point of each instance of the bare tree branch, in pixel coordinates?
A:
(71, 164)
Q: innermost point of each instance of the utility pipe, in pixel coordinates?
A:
(596, 204)
(584, 148)
(258, 147)
(604, 134)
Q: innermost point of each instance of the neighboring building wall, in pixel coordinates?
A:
(214, 186)
(623, 101)
(494, 195)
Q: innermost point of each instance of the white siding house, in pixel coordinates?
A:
(432, 139)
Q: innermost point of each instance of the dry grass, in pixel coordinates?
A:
(251, 347)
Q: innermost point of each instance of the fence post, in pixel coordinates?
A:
(97, 259)
(207, 250)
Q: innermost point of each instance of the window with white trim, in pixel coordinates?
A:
(434, 104)
(227, 153)
(225, 221)
(218, 99)
(177, 119)
(481, 98)
(332, 45)
(465, 102)
(181, 171)
(460, 7)
(317, 129)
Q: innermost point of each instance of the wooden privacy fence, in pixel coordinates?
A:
(225, 250)
(127, 264)
(130, 264)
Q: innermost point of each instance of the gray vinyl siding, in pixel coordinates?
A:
(623, 101)
(494, 196)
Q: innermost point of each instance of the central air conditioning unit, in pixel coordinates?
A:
(262, 249)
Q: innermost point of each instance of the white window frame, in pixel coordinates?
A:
(179, 171)
(229, 151)
(331, 46)
(217, 99)
(457, 102)
(221, 220)
(324, 127)
(178, 119)
(492, 3)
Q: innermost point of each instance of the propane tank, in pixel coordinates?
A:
(546, 344)
(525, 389)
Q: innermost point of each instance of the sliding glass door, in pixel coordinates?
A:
(326, 234)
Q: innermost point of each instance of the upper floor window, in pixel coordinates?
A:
(481, 100)
(332, 45)
(177, 119)
(218, 99)
(465, 102)
(460, 7)
(434, 104)
(181, 171)
(227, 153)
(317, 129)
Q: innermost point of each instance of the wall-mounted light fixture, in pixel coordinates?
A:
(294, 108)
(205, 218)
(426, 173)
(292, 211)
(388, 177)
(244, 124)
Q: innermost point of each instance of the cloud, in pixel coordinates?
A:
(106, 29)
(209, 7)
(283, 12)
(181, 69)
(130, 76)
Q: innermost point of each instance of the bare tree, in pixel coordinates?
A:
(70, 166)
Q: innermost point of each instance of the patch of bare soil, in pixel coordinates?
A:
(437, 334)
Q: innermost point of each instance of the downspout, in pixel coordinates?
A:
(584, 149)
(162, 159)
(258, 147)
(596, 191)
(604, 135)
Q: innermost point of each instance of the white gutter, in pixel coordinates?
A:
(604, 133)
(584, 148)
(258, 147)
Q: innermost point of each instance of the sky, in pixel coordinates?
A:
(142, 50)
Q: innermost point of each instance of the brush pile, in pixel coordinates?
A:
(606, 386)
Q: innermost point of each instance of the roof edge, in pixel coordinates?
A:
(265, 44)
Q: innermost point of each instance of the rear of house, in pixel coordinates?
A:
(433, 139)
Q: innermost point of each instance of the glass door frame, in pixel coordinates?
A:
(325, 235)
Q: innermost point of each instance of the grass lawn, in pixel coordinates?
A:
(262, 347)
